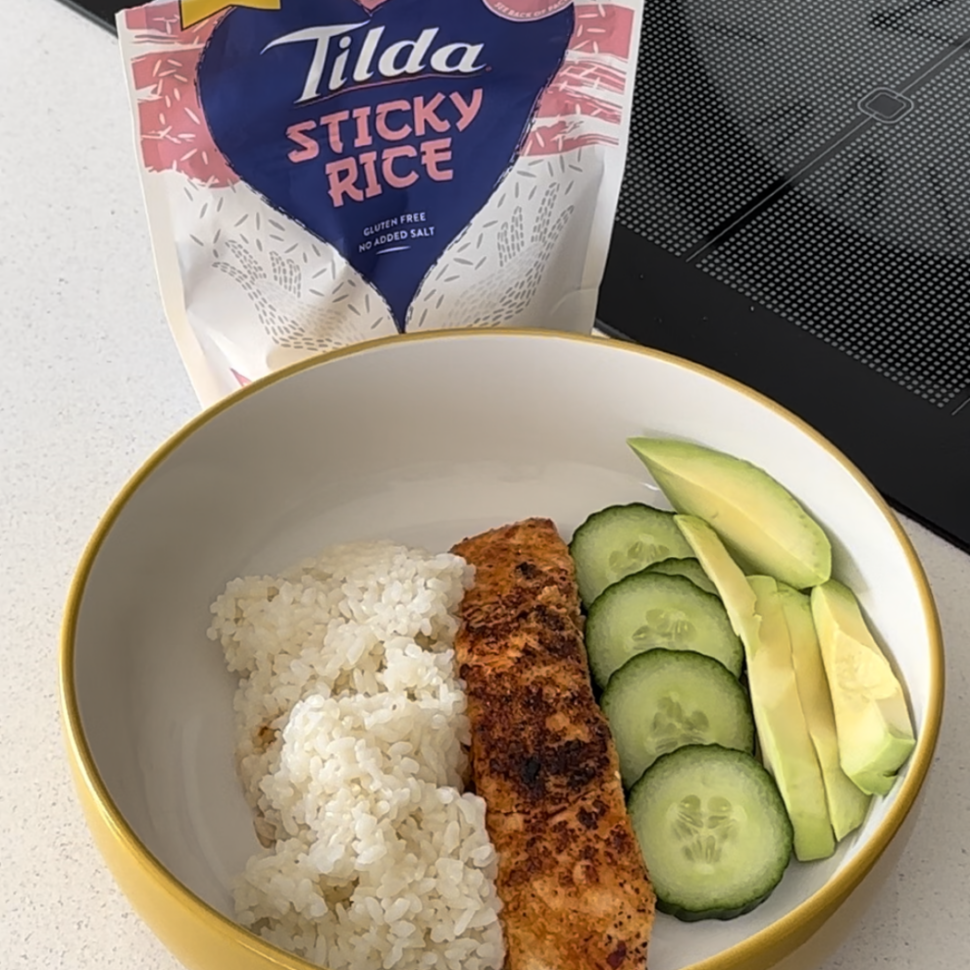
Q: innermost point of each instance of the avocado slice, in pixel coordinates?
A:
(847, 803)
(754, 609)
(786, 744)
(875, 733)
(738, 597)
(755, 515)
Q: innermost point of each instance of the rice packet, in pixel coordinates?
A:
(322, 172)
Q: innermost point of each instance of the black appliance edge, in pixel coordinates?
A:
(915, 453)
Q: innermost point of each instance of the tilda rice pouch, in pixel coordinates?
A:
(322, 172)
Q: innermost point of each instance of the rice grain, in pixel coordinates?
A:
(350, 727)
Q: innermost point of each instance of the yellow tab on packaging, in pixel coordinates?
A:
(195, 10)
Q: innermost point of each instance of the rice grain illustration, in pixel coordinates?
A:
(258, 290)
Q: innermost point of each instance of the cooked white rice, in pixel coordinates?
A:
(351, 721)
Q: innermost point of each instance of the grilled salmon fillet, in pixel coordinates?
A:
(575, 891)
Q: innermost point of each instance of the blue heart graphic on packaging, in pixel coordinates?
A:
(381, 131)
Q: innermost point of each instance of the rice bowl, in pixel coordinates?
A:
(513, 424)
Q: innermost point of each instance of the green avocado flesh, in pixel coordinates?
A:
(846, 802)
(875, 733)
(754, 609)
(786, 744)
(724, 572)
(755, 515)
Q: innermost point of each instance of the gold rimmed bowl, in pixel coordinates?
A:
(424, 440)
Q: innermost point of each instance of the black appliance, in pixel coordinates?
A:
(796, 214)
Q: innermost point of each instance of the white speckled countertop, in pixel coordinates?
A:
(90, 384)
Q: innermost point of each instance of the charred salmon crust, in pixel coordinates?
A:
(575, 891)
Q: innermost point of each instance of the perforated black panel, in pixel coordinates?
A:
(814, 155)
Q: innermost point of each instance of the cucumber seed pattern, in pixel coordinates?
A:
(704, 827)
(673, 727)
(664, 628)
(636, 556)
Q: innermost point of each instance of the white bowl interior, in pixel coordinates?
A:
(422, 441)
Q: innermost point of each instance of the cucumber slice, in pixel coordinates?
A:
(690, 568)
(663, 700)
(649, 610)
(713, 831)
(620, 540)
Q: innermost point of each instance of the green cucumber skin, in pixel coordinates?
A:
(689, 568)
(695, 916)
(731, 654)
(679, 907)
(589, 558)
(632, 700)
